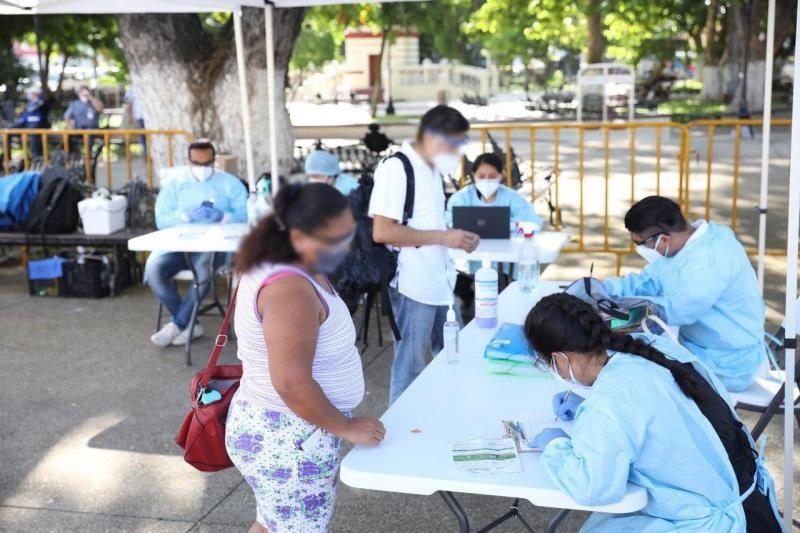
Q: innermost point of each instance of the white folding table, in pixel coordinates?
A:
(453, 402)
(507, 250)
(188, 239)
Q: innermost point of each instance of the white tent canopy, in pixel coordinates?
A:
(30, 7)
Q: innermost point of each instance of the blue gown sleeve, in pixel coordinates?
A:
(167, 214)
(642, 283)
(238, 203)
(457, 199)
(701, 286)
(522, 211)
(593, 466)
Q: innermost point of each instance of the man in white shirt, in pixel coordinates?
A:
(422, 290)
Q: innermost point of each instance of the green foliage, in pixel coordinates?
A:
(322, 35)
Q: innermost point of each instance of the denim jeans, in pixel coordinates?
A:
(421, 328)
(158, 273)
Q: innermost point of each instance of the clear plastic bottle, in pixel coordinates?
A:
(259, 204)
(528, 277)
(451, 329)
(486, 295)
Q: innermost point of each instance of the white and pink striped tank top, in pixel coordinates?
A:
(337, 364)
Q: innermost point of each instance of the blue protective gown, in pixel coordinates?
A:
(345, 183)
(183, 193)
(521, 209)
(709, 289)
(637, 426)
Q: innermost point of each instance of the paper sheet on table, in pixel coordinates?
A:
(487, 456)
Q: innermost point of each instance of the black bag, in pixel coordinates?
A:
(55, 209)
(371, 266)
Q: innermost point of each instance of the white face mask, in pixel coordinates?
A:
(446, 163)
(651, 255)
(487, 187)
(201, 173)
(572, 381)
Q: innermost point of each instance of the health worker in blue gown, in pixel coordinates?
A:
(652, 416)
(702, 277)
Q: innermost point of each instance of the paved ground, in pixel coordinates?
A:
(90, 408)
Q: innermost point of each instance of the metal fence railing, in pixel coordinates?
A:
(710, 167)
(105, 155)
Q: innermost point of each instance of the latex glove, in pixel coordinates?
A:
(565, 405)
(204, 214)
(541, 440)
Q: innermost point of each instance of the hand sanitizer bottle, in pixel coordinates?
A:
(451, 328)
(486, 295)
(528, 263)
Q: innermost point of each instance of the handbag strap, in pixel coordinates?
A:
(220, 342)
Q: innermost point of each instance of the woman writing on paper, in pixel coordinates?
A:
(656, 418)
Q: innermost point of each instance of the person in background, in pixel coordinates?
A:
(302, 374)
(423, 286)
(35, 116)
(375, 140)
(323, 167)
(487, 189)
(83, 114)
(702, 277)
(134, 109)
(655, 417)
(200, 195)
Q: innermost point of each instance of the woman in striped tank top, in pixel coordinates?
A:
(302, 373)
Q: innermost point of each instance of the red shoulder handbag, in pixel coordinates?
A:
(202, 434)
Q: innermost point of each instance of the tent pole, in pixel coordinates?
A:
(244, 98)
(790, 323)
(269, 8)
(766, 129)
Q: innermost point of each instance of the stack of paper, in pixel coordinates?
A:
(487, 456)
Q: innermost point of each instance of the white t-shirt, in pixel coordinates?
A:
(425, 273)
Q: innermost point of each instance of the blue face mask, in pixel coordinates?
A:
(329, 260)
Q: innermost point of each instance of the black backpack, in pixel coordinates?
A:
(55, 209)
(371, 266)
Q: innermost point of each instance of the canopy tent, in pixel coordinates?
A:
(29, 7)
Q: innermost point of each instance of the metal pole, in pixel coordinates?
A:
(244, 98)
(269, 9)
(766, 129)
(790, 323)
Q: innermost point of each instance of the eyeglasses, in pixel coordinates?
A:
(452, 142)
(650, 238)
(202, 163)
(336, 242)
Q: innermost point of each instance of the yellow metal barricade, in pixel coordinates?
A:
(108, 148)
(600, 169)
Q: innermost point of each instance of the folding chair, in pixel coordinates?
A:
(187, 275)
(766, 394)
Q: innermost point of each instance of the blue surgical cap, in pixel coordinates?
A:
(322, 162)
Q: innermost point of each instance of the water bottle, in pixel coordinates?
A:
(451, 328)
(486, 295)
(528, 278)
(259, 204)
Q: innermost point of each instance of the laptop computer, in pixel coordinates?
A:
(488, 222)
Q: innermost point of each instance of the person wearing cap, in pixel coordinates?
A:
(35, 116)
(323, 167)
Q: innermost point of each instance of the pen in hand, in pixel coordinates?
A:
(566, 397)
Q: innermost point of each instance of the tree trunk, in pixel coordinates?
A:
(375, 97)
(596, 41)
(60, 86)
(710, 33)
(187, 79)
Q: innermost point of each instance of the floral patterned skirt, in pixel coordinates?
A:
(290, 464)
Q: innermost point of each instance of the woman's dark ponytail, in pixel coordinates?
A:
(564, 323)
(304, 207)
